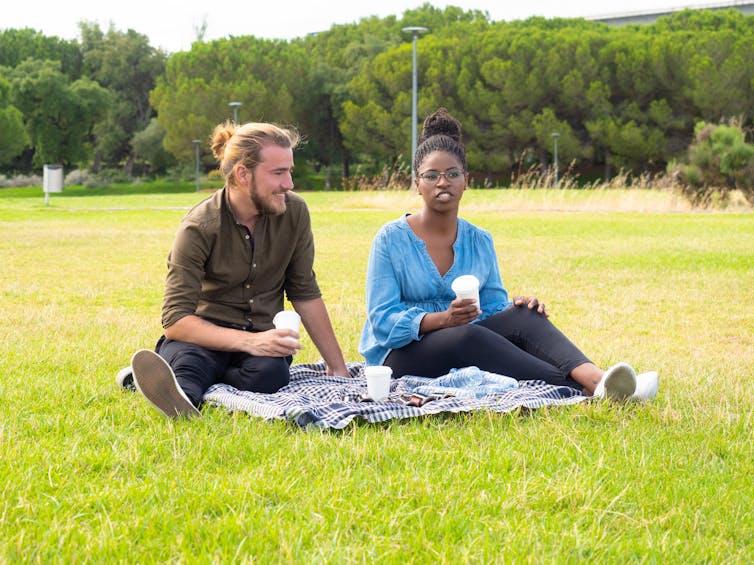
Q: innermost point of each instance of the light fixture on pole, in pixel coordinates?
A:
(415, 31)
(196, 143)
(235, 106)
(555, 136)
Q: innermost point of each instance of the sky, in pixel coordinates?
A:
(172, 25)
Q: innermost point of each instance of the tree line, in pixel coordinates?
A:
(619, 97)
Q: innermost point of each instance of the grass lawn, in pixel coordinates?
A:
(89, 473)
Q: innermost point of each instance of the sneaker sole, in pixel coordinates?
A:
(125, 378)
(154, 378)
(620, 384)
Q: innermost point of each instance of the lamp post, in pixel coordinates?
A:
(415, 31)
(555, 136)
(196, 143)
(235, 106)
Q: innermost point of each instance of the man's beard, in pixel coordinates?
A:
(264, 208)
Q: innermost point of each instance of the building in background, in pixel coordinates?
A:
(650, 16)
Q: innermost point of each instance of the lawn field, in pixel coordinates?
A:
(92, 474)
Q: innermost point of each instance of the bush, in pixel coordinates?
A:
(181, 172)
(112, 176)
(720, 160)
(20, 181)
(81, 177)
(395, 177)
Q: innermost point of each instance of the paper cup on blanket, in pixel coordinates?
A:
(378, 381)
(466, 286)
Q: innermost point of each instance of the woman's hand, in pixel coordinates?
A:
(461, 312)
(532, 303)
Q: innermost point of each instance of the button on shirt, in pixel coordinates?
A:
(221, 272)
(403, 284)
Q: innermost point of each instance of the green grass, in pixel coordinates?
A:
(92, 474)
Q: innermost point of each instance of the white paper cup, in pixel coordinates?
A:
(378, 381)
(287, 319)
(466, 286)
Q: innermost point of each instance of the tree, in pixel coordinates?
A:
(147, 145)
(377, 119)
(721, 73)
(13, 136)
(192, 96)
(127, 66)
(545, 124)
(18, 45)
(59, 115)
(338, 55)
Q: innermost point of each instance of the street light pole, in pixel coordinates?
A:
(235, 106)
(555, 136)
(196, 143)
(415, 31)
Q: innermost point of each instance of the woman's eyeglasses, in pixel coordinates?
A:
(433, 177)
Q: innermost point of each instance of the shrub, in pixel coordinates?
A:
(20, 181)
(395, 177)
(82, 177)
(719, 160)
(181, 172)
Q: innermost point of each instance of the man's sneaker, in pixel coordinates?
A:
(617, 383)
(155, 380)
(646, 387)
(125, 378)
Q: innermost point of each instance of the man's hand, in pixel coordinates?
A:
(338, 371)
(317, 323)
(272, 343)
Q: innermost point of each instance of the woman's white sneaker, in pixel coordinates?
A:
(617, 383)
(646, 387)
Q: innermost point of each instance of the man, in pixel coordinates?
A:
(234, 256)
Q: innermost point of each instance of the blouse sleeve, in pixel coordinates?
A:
(493, 297)
(394, 323)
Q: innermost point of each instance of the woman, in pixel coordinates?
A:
(416, 326)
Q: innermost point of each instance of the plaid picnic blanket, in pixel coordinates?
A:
(314, 400)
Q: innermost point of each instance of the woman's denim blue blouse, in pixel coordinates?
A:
(403, 284)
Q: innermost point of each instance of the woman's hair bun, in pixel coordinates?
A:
(441, 123)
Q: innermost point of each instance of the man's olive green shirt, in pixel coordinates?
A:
(218, 271)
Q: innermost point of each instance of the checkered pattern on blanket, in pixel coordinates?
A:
(313, 399)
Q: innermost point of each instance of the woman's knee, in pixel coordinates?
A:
(514, 318)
